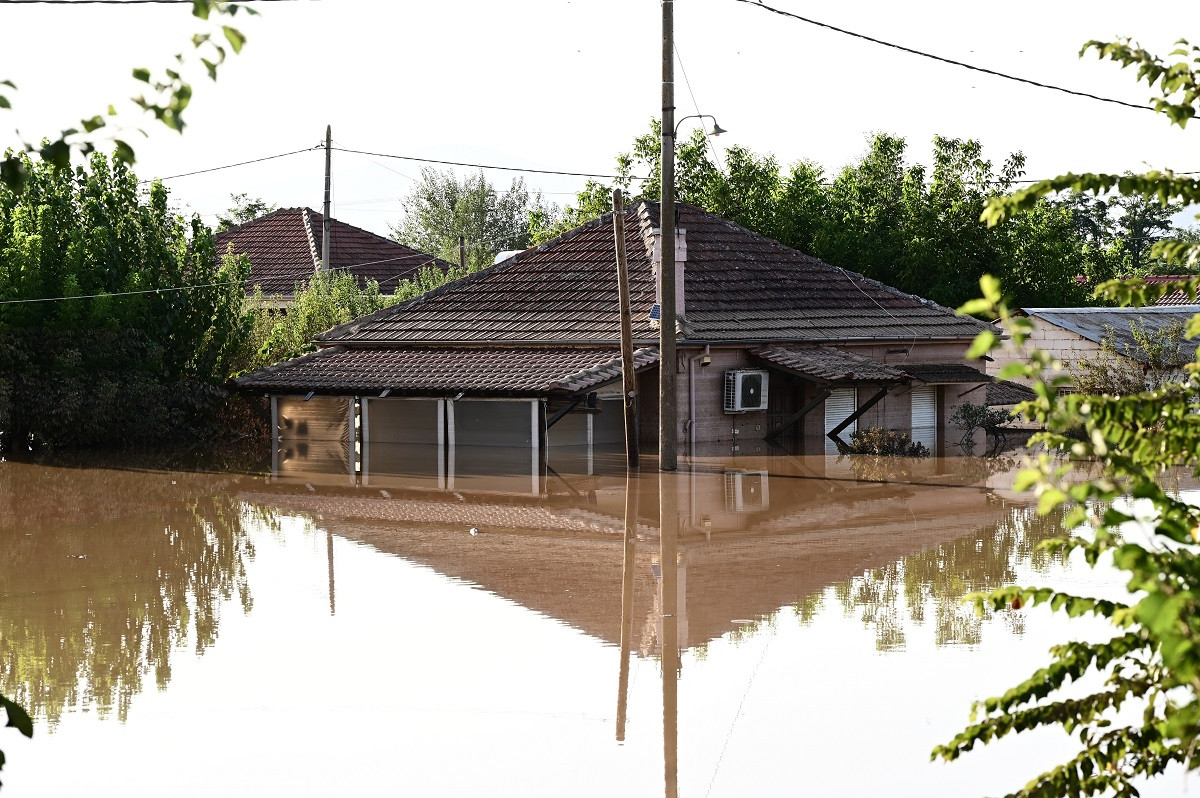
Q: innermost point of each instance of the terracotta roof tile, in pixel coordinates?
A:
(825, 364)
(944, 373)
(1005, 392)
(740, 286)
(438, 370)
(284, 247)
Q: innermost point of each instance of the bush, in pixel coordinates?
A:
(887, 442)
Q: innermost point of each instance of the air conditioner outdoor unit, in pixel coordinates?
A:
(745, 390)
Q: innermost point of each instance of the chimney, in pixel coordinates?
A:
(680, 264)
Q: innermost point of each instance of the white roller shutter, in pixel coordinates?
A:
(924, 416)
(839, 405)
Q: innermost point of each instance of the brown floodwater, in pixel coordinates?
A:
(749, 626)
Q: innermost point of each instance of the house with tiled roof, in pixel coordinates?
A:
(1175, 298)
(284, 248)
(772, 343)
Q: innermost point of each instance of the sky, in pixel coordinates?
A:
(567, 84)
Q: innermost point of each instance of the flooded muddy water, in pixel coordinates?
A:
(758, 626)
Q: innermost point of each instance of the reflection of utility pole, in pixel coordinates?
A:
(668, 526)
(329, 556)
(668, 444)
(631, 515)
(628, 377)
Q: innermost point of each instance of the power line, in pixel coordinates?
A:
(483, 165)
(127, 2)
(249, 281)
(696, 103)
(214, 168)
(944, 60)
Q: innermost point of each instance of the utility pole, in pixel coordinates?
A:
(462, 253)
(628, 377)
(325, 226)
(668, 435)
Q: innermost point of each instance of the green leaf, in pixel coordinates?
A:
(141, 74)
(983, 343)
(976, 307)
(122, 151)
(13, 173)
(991, 288)
(235, 37)
(18, 718)
(93, 124)
(1050, 498)
(57, 153)
(4, 103)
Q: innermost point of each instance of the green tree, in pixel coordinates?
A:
(165, 97)
(1132, 444)
(326, 300)
(244, 209)
(119, 319)
(913, 227)
(1142, 221)
(441, 208)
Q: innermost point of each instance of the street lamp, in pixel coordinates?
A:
(716, 130)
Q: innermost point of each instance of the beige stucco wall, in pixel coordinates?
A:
(746, 431)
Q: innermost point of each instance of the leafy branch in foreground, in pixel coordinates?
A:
(18, 719)
(1153, 661)
(169, 95)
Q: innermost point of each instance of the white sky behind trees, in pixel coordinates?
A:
(567, 84)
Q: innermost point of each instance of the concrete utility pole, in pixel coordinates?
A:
(462, 253)
(628, 377)
(668, 435)
(325, 211)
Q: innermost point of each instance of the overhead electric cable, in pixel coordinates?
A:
(696, 103)
(945, 60)
(249, 281)
(226, 166)
(482, 165)
(128, 2)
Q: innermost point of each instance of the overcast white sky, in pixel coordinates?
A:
(566, 84)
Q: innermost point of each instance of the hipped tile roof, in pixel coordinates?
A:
(823, 364)
(507, 371)
(1174, 298)
(284, 247)
(739, 286)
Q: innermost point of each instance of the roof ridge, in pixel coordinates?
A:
(258, 219)
(312, 241)
(339, 332)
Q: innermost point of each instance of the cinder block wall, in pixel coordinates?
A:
(1065, 345)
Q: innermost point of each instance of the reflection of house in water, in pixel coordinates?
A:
(748, 542)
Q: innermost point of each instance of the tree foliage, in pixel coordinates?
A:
(244, 209)
(441, 208)
(912, 226)
(1133, 441)
(118, 319)
(166, 96)
(1153, 661)
(324, 301)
